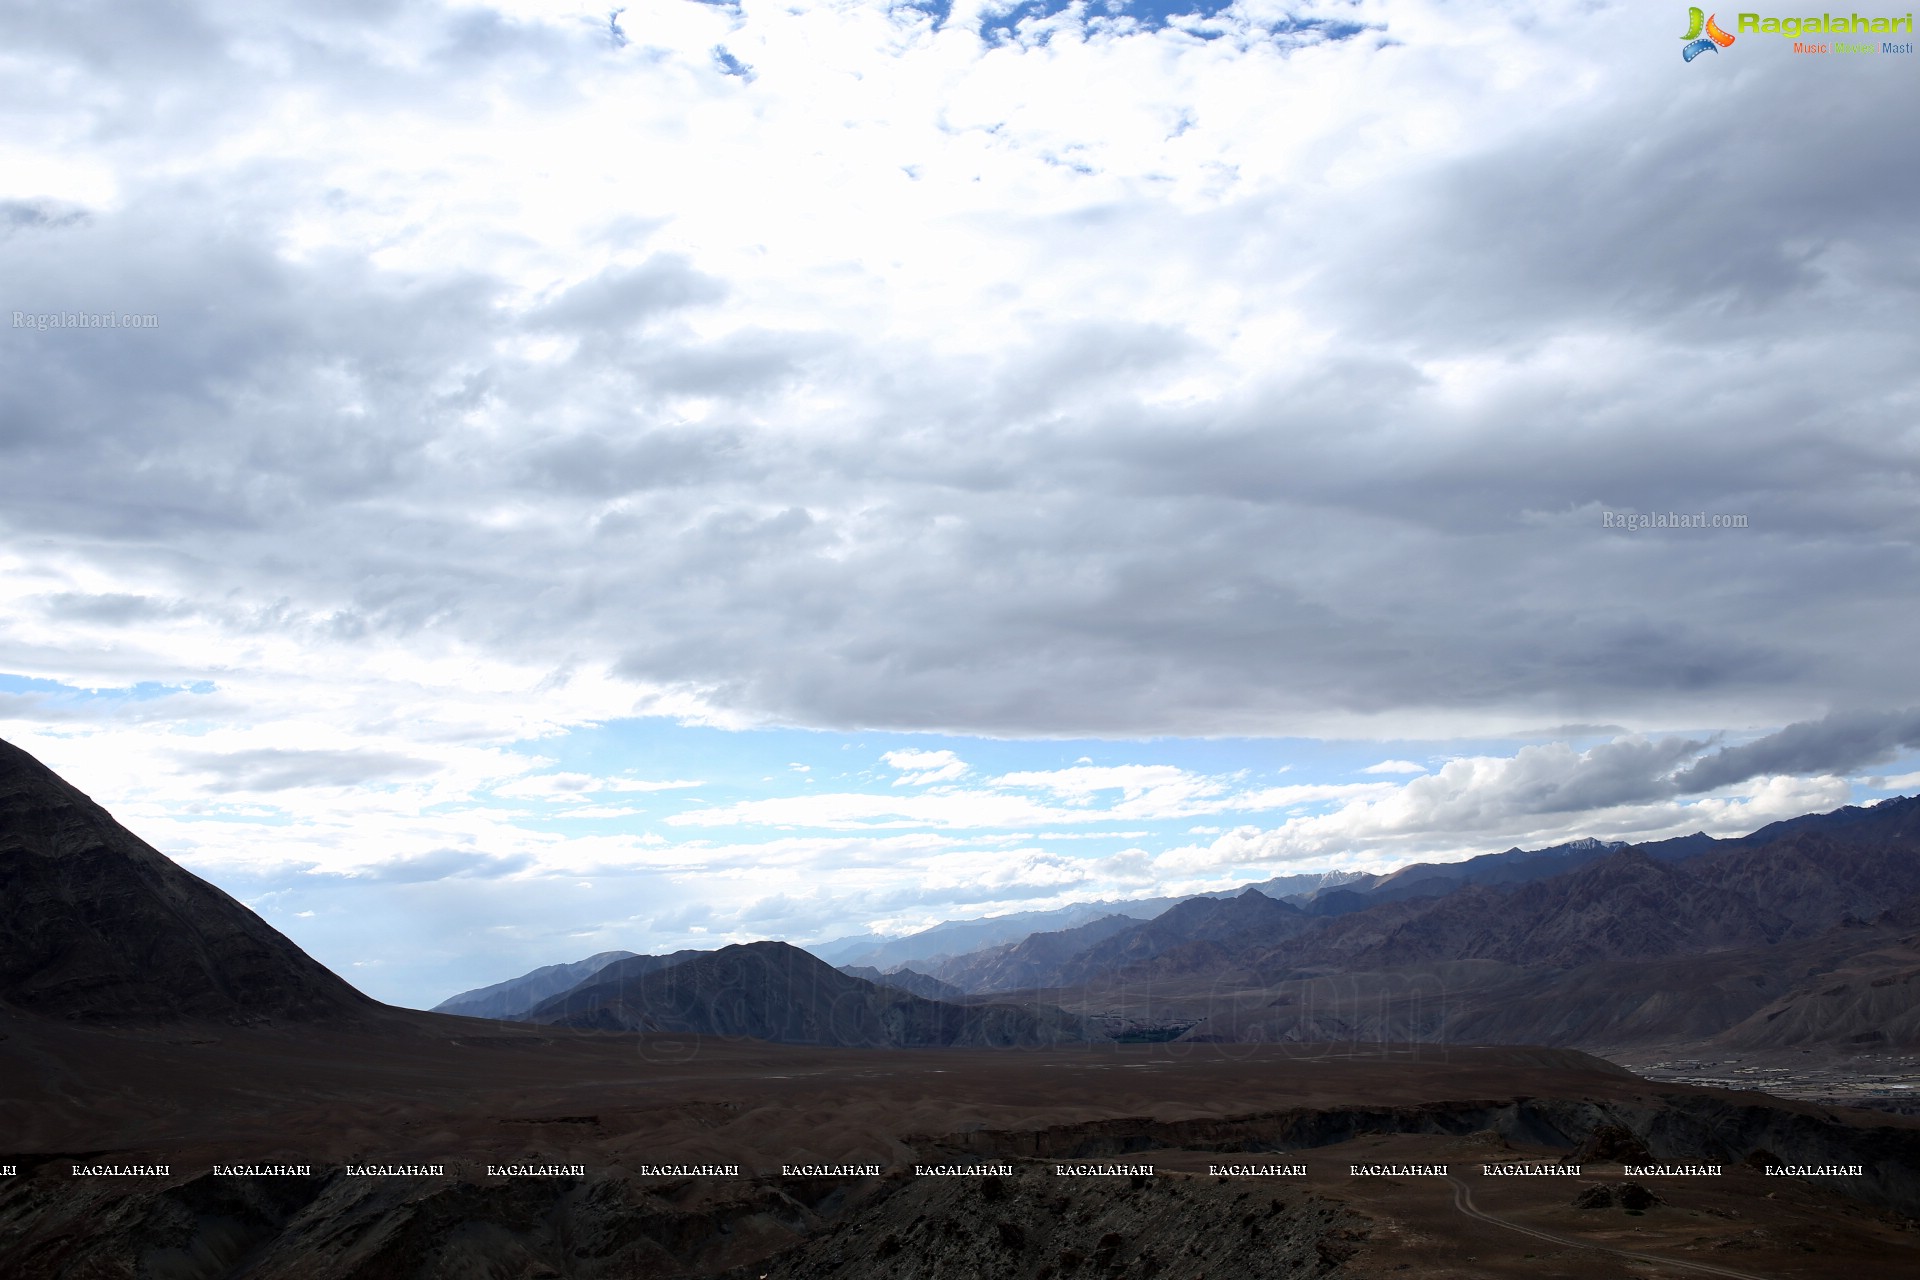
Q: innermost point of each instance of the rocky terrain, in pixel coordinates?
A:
(1025, 1226)
(629, 1120)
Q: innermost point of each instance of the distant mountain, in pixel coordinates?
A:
(1034, 961)
(1514, 866)
(1624, 906)
(962, 937)
(1874, 815)
(1580, 942)
(1803, 940)
(1195, 933)
(1680, 848)
(1010, 964)
(508, 1000)
(1388, 934)
(1337, 902)
(838, 951)
(919, 984)
(1200, 933)
(952, 938)
(97, 925)
(1296, 888)
(772, 991)
(1629, 905)
(1589, 943)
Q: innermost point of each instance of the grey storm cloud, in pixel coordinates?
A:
(1024, 542)
(605, 464)
(1625, 771)
(1634, 771)
(1840, 744)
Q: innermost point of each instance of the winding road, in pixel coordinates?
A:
(1463, 1201)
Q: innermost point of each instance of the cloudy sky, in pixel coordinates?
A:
(794, 468)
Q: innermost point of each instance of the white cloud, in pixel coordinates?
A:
(1395, 766)
(922, 768)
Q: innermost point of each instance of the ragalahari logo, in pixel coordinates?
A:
(1713, 41)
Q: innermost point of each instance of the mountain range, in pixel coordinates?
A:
(1591, 943)
(952, 938)
(1678, 942)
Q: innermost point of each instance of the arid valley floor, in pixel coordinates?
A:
(639, 1116)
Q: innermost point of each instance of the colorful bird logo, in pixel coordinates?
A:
(1713, 41)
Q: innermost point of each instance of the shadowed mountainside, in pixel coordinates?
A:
(772, 991)
(100, 926)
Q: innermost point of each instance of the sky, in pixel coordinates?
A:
(562, 480)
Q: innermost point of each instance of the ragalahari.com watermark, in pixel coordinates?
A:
(85, 320)
(1670, 520)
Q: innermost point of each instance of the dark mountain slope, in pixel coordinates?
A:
(95, 924)
(772, 991)
(1871, 1002)
(1815, 879)
(1624, 907)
